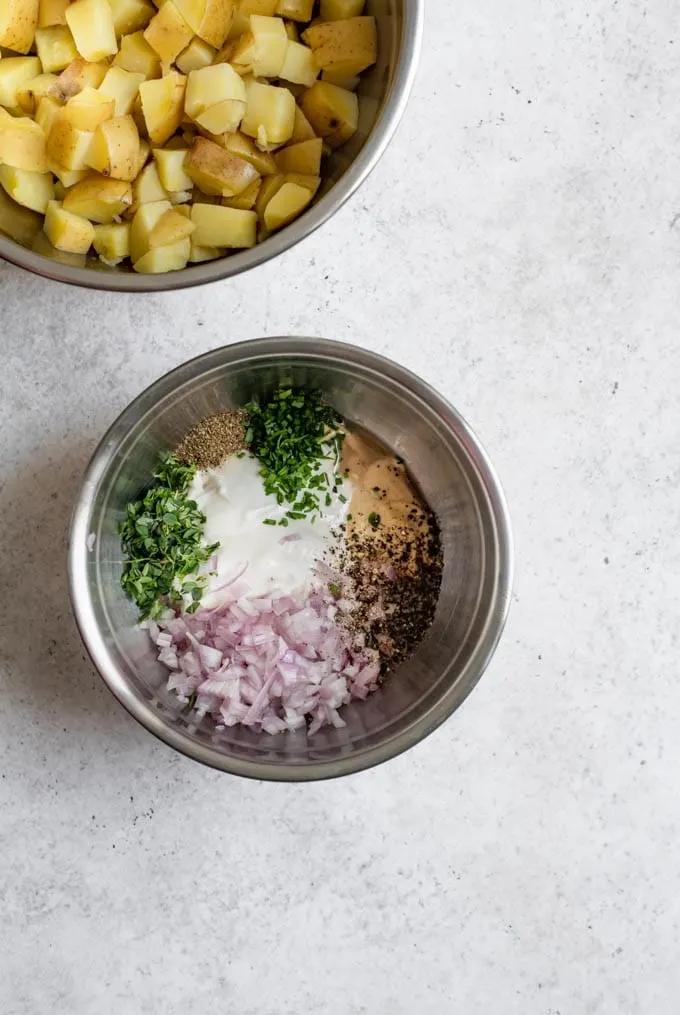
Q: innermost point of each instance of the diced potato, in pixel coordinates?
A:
(238, 144)
(33, 91)
(217, 226)
(91, 23)
(296, 10)
(168, 33)
(289, 201)
(347, 46)
(143, 154)
(299, 66)
(123, 87)
(78, 75)
(66, 177)
(163, 106)
(115, 149)
(198, 54)
(270, 186)
(171, 227)
(130, 15)
(200, 254)
(304, 157)
(21, 224)
(147, 188)
(306, 180)
(240, 24)
(66, 231)
(342, 80)
(209, 19)
(170, 163)
(145, 219)
(23, 144)
(31, 190)
(270, 114)
(15, 71)
(112, 242)
(270, 43)
(52, 12)
(337, 10)
(292, 31)
(246, 199)
(302, 128)
(18, 22)
(47, 111)
(88, 109)
(56, 48)
(68, 146)
(162, 259)
(266, 7)
(215, 98)
(333, 112)
(98, 198)
(216, 171)
(137, 56)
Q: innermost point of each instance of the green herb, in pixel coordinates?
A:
(190, 704)
(349, 518)
(292, 434)
(334, 590)
(270, 521)
(162, 539)
(374, 520)
(342, 498)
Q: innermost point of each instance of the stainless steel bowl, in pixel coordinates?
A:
(455, 477)
(383, 94)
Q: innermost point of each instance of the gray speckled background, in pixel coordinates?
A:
(519, 246)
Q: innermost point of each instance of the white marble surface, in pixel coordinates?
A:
(519, 246)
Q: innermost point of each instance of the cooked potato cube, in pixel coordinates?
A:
(23, 144)
(270, 186)
(66, 177)
(46, 113)
(56, 48)
(337, 10)
(88, 109)
(265, 7)
(15, 71)
(342, 80)
(270, 114)
(215, 98)
(299, 66)
(143, 154)
(68, 146)
(217, 226)
(302, 128)
(112, 242)
(217, 172)
(123, 87)
(348, 46)
(78, 75)
(292, 31)
(240, 24)
(246, 199)
(20, 224)
(198, 54)
(161, 259)
(91, 23)
(66, 231)
(270, 42)
(238, 144)
(18, 22)
(170, 164)
(171, 227)
(147, 187)
(33, 91)
(52, 12)
(98, 198)
(31, 190)
(168, 33)
(200, 254)
(209, 19)
(130, 15)
(240, 54)
(289, 201)
(115, 148)
(137, 56)
(333, 112)
(296, 10)
(304, 157)
(163, 106)
(306, 180)
(145, 219)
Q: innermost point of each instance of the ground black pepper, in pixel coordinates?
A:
(213, 439)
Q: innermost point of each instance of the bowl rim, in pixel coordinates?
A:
(374, 147)
(324, 351)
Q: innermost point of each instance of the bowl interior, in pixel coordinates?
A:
(23, 241)
(445, 462)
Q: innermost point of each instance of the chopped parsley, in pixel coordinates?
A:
(162, 537)
(374, 520)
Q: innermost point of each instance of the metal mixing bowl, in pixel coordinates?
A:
(383, 94)
(455, 477)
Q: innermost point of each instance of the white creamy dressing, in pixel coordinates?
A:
(233, 500)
